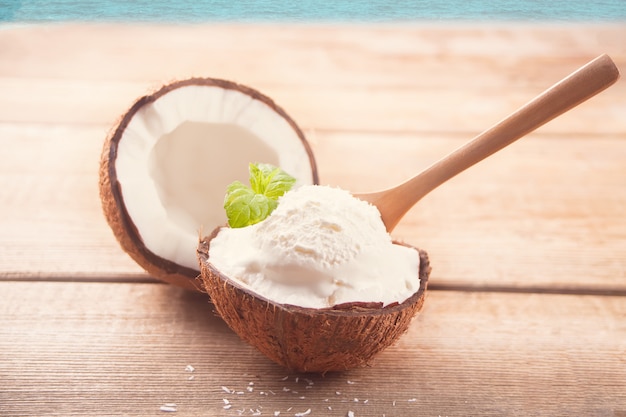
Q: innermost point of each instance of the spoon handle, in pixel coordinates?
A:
(579, 86)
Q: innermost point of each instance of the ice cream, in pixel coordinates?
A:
(320, 247)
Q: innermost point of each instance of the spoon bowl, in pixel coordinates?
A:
(576, 88)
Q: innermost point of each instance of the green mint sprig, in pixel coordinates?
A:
(245, 205)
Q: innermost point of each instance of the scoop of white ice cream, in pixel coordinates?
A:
(320, 247)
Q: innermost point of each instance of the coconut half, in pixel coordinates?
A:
(166, 165)
(303, 339)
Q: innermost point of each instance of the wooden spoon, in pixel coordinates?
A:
(579, 86)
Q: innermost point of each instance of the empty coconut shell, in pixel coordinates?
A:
(166, 165)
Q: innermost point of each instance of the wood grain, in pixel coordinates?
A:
(398, 78)
(546, 212)
(86, 332)
(578, 87)
(123, 349)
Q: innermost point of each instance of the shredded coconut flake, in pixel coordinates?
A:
(350, 413)
(304, 413)
(189, 368)
(168, 408)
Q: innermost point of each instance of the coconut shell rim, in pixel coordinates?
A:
(111, 188)
(344, 309)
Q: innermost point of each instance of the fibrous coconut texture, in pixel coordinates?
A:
(309, 339)
(166, 165)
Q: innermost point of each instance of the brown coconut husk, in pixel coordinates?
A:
(113, 206)
(307, 339)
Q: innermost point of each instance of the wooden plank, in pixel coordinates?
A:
(123, 349)
(234, 50)
(546, 212)
(405, 78)
(52, 223)
(453, 109)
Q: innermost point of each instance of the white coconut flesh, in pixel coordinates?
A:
(179, 152)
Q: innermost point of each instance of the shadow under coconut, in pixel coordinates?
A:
(191, 310)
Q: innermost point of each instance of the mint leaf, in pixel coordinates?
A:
(269, 180)
(246, 206)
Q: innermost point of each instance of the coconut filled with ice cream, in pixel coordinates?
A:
(309, 275)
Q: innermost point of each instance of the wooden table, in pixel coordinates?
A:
(526, 314)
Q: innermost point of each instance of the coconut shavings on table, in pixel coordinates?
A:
(265, 398)
(168, 408)
(299, 396)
